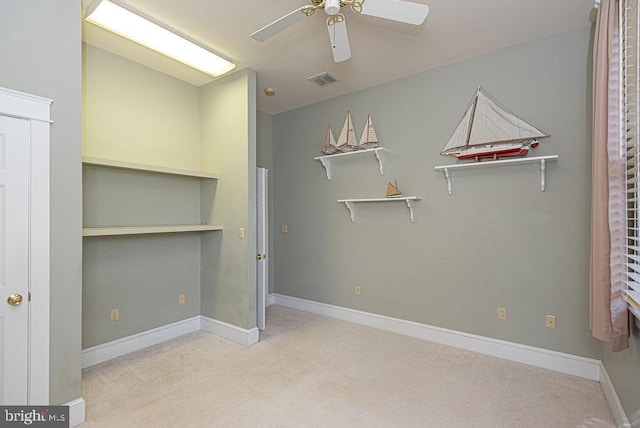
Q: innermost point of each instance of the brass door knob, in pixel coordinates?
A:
(261, 256)
(14, 299)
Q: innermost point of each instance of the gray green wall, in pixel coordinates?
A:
(141, 275)
(498, 241)
(228, 129)
(40, 51)
(136, 114)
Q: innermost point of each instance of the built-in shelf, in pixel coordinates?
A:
(536, 159)
(141, 230)
(110, 163)
(351, 204)
(379, 152)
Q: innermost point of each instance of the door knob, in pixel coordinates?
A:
(261, 256)
(14, 299)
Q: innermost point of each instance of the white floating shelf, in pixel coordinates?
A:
(110, 163)
(141, 230)
(379, 152)
(351, 204)
(536, 159)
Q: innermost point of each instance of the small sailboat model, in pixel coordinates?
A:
(368, 139)
(393, 191)
(488, 130)
(347, 140)
(329, 147)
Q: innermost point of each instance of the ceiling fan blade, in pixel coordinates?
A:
(396, 10)
(283, 23)
(339, 41)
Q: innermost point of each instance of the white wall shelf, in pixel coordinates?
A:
(110, 163)
(149, 229)
(379, 152)
(141, 230)
(536, 159)
(351, 204)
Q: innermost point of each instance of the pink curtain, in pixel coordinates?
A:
(609, 316)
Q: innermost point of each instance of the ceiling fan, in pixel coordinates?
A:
(395, 10)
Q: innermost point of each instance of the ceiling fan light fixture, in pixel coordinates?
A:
(331, 7)
(403, 11)
(125, 23)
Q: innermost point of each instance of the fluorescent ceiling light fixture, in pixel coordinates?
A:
(125, 23)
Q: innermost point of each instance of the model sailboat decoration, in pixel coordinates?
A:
(368, 139)
(488, 130)
(329, 147)
(347, 140)
(393, 191)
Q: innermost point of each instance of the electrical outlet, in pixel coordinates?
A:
(241, 233)
(284, 228)
(502, 314)
(357, 290)
(115, 314)
(551, 321)
(181, 299)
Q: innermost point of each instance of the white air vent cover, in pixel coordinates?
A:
(323, 79)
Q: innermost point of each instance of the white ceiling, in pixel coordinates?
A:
(382, 50)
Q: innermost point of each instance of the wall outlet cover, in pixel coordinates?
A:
(551, 321)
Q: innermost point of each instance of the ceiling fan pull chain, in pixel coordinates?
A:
(333, 21)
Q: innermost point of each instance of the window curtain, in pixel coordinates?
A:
(609, 314)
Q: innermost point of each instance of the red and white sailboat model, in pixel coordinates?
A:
(488, 130)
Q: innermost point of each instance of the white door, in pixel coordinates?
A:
(14, 259)
(262, 177)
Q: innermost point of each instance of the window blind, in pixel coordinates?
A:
(629, 47)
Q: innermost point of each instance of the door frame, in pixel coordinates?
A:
(37, 111)
(262, 244)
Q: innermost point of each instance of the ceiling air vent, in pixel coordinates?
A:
(323, 79)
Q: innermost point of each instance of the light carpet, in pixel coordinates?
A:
(312, 371)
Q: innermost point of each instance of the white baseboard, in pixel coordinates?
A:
(270, 299)
(539, 357)
(117, 348)
(230, 331)
(77, 409)
(612, 398)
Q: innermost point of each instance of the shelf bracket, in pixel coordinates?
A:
(351, 206)
(380, 154)
(326, 163)
(448, 177)
(410, 204)
(543, 167)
